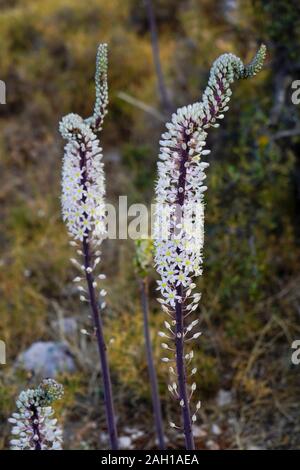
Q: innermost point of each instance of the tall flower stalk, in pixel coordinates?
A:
(163, 93)
(34, 427)
(83, 208)
(143, 261)
(179, 223)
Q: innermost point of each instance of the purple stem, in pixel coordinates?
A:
(97, 321)
(151, 368)
(181, 374)
(35, 427)
(165, 102)
(179, 329)
(108, 401)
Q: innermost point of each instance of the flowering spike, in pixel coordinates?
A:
(33, 425)
(83, 209)
(179, 211)
(256, 64)
(100, 109)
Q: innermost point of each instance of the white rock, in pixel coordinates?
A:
(224, 397)
(46, 359)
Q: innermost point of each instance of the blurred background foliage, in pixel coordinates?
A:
(251, 303)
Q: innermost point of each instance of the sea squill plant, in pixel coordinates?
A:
(34, 427)
(83, 209)
(179, 222)
(143, 261)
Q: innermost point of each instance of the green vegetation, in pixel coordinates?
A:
(250, 300)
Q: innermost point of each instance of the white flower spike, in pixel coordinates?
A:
(83, 210)
(34, 427)
(179, 214)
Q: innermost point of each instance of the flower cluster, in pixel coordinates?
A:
(83, 208)
(83, 182)
(83, 185)
(179, 226)
(34, 427)
(179, 211)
